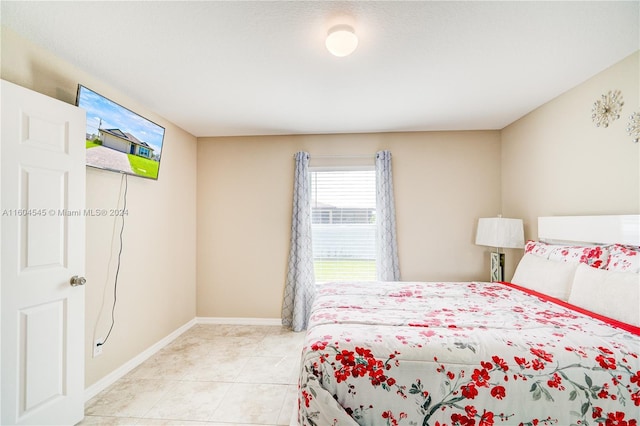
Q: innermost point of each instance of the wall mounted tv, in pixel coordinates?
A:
(118, 139)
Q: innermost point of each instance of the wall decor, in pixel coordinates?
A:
(607, 108)
(633, 127)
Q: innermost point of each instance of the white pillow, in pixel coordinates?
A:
(610, 293)
(545, 276)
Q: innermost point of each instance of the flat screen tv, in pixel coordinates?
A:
(118, 139)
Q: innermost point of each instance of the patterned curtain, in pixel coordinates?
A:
(387, 266)
(299, 290)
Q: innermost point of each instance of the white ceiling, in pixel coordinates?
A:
(219, 68)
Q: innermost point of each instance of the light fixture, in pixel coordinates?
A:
(341, 40)
(499, 232)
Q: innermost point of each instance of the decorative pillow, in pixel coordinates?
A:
(538, 248)
(609, 293)
(545, 276)
(624, 259)
(594, 256)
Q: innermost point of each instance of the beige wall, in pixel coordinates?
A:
(443, 183)
(156, 285)
(555, 161)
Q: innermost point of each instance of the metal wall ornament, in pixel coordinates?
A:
(634, 126)
(607, 108)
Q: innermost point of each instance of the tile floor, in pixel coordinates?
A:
(211, 375)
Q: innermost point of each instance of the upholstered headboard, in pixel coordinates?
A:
(605, 229)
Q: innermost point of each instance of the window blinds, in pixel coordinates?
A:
(343, 212)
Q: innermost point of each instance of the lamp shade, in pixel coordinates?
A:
(500, 232)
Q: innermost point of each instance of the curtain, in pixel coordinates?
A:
(299, 290)
(387, 266)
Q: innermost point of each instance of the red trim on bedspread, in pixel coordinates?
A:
(615, 323)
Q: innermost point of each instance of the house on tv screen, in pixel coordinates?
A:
(125, 142)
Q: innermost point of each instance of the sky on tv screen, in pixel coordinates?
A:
(115, 116)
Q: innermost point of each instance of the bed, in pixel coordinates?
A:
(561, 347)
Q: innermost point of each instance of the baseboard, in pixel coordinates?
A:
(120, 372)
(238, 321)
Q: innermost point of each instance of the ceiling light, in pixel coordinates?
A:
(341, 40)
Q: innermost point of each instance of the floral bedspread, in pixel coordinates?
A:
(462, 354)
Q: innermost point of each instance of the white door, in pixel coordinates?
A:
(42, 160)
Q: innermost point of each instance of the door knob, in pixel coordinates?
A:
(76, 281)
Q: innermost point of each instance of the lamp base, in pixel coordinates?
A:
(497, 267)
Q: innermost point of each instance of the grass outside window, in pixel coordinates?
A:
(338, 269)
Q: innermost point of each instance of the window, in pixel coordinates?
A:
(343, 214)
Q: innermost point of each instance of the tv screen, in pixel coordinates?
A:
(118, 139)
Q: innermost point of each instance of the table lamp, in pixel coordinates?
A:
(499, 232)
